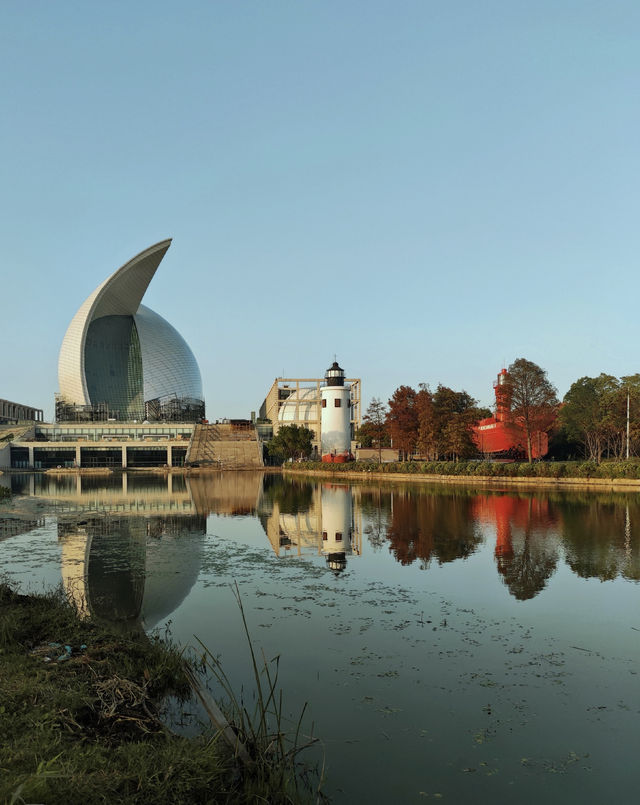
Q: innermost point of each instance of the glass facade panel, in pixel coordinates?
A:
(113, 365)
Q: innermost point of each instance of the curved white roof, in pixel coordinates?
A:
(167, 364)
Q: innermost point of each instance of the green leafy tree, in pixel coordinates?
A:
(594, 414)
(534, 401)
(630, 384)
(445, 419)
(586, 415)
(426, 442)
(291, 441)
(455, 412)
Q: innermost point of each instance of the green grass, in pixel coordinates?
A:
(88, 728)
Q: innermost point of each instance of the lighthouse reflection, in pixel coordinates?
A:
(339, 537)
(301, 518)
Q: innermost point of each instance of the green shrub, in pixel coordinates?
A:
(494, 469)
(586, 469)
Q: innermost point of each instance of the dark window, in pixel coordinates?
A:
(336, 402)
(324, 535)
(324, 403)
(338, 536)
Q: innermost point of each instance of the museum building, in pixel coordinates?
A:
(122, 362)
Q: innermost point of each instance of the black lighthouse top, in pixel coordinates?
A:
(334, 375)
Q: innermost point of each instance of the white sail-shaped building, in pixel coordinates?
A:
(122, 359)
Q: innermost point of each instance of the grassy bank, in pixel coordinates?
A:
(80, 721)
(483, 470)
(5, 493)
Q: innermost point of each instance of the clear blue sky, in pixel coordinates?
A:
(429, 190)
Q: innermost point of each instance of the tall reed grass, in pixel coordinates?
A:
(265, 742)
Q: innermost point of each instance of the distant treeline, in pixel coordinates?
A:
(599, 418)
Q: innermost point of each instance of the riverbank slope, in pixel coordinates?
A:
(81, 717)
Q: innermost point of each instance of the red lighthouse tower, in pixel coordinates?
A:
(503, 396)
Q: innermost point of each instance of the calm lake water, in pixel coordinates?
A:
(452, 644)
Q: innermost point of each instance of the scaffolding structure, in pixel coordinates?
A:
(161, 409)
(174, 409)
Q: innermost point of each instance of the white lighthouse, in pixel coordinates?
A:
(335, 416)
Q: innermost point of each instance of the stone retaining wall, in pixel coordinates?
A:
(608, 484)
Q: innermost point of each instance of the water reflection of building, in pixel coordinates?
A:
(226, 493)
(302, 518)
(113, 493)
(14, 526)
(229, 493)
(132, 542)
(131, 569)
(527, 545)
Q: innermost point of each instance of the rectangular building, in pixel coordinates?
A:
(11, 412)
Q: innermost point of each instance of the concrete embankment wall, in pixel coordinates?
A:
(609, 484)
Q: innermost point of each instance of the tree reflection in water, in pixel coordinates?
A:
(375, 507)
(291, 495)
(599, 539)
(425, 526)
(526, 549)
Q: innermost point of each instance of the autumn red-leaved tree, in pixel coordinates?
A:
(402, 420)
(534, 402)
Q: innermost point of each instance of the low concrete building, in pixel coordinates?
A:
(101, 444)
(13, 413)
(122, 445)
